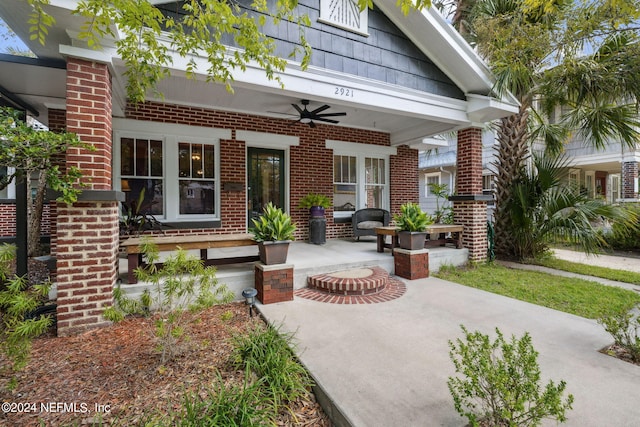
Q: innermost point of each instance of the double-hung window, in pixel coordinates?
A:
(430, 178)
(360, 176)
(171, 170)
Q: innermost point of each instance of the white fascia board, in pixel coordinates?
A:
(484, 109)
(322, 85)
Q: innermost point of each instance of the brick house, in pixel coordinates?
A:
(209, 160)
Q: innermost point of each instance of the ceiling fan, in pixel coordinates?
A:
(308, 117)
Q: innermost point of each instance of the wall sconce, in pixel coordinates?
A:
(249, 296)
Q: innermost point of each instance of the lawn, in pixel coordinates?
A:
(576, 296)
(591, 270)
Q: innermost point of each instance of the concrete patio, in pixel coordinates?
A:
(308, 259)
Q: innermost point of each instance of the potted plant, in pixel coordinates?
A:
(316, 203)
(412, 223)
(273, 230)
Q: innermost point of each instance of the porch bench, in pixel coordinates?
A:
(187, 242)
(436, 236)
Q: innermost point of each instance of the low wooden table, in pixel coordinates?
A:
(436, 236)
(186, 242)
(381, 237)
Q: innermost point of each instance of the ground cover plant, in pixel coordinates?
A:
(575, 296)
(117, 371)
(498, 382)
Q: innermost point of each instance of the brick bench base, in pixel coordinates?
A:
(274, 283)
(411, 265)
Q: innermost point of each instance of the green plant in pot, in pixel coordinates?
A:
(316, 203)
(273, 230)
(412, 223)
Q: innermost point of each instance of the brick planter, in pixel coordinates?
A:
(411, 265)
(274, 283)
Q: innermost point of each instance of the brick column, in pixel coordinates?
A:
(274, 283)
(630, 180)
(87, 231)
(411, 265)
(469, 204)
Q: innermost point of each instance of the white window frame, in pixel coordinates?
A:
(590, 177)
(427, 192)
(360, 152)
(171, 135)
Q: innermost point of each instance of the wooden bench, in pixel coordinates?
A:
(187, 242)
(436, 236)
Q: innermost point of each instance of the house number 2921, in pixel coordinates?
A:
(344, 91)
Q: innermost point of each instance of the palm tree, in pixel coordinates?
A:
(544, 209)
(535, 50)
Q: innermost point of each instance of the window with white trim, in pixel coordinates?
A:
(175, 169)
(360, 176)
(574, 180)
(431, 178)
(590, 183)
(487, 183)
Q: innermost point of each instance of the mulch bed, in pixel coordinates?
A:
(118, 368)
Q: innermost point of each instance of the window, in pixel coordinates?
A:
(360, 176)
(344, 14)
(345, 179)
(4, 193)
(196, 173)
(375, 179)
(574, 180)
(430, 178)
(590, 181)
(173, 169)
(141, 173)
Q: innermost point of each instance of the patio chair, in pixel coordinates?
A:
(365, 221)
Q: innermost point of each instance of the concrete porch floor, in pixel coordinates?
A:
(309, 259)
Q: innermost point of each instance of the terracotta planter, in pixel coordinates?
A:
(273, 252)
(411, 240)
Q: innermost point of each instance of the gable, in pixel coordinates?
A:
(385, 54)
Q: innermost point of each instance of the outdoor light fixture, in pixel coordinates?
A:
(249, 295)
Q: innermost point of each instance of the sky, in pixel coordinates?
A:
(12, 42)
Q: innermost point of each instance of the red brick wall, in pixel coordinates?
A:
(7, 219)
(629, 179)
(87, 231)
(311, 168)
(88, 99)
(471, 214)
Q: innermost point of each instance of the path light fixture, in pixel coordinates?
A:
(249, 296)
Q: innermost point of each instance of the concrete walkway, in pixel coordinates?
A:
(387, 364)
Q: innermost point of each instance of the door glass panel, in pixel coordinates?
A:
(266, 180)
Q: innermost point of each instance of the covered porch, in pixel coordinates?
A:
(309, 259)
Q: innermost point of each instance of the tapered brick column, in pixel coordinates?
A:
(274, 283)
(469, 204)
(630, 180)
(87, 231)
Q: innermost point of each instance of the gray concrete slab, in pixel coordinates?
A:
(387, 364)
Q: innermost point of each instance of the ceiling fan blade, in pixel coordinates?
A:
(320, 109)
(331, 114)
(325, 120)
(298, 109)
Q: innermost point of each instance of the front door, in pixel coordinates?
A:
(265, 176)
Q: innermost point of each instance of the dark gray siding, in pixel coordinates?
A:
(386, 54)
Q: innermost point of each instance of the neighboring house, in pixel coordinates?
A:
(209, 160)
(611, 174)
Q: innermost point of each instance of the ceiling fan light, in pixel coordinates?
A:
(305, 120)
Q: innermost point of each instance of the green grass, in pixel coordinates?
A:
(575, 296)
(591, 270)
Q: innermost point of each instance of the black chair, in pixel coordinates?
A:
(365, 221)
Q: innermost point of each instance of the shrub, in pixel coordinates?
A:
(624, 327)
(17, 299)
(623, 237)
(182, 284)
(501, 382)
